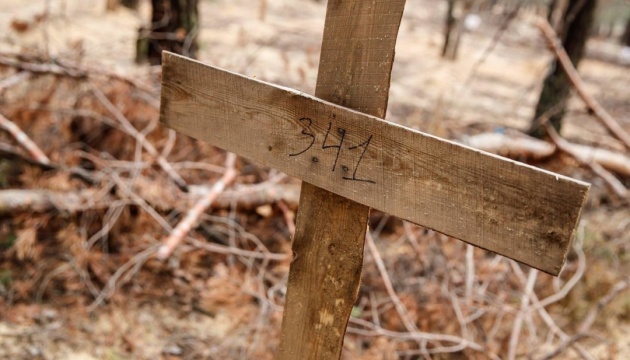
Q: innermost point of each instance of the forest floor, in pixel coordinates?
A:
(77, 279)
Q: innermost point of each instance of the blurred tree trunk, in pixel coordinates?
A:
(454, 27)
(556, 13)
(447, 51)
(625, 39)
(577, 21)
(174, 27)
(552, 7)
(131, 4)
(112, 5)
(262, 10)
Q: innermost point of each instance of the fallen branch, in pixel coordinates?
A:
(610, 160)
(524, 146)
(59, 67)
(13, 79)
(511, 146)
(607, 120)
(24, 140)
(191, 219)
(251, 196)
(257, 195)
(615, 185)
(43, 68)
(14, 200)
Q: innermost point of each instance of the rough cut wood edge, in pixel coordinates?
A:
(511, 208)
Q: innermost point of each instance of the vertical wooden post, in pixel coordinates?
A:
(355, 69)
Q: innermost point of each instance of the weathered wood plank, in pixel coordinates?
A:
(507, 207)
(325, 274)
(357, 57)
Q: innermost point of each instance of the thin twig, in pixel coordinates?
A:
(229, 250)
(13, 80)
(518, 322)
(617, 289)
(493, 43)
(470, 273)
(544, 315)
(539, 305)
(607, 120)
(62, 68)
(13, 152)
(164, 164)
(570, 284)
(289, 217)
(43, 68)
(460, 315)
(400, 307)
(199, 208)
(615, 185)
(460, 344)
(109, 289)
(411, 236)
(24, 140)
(139, 201)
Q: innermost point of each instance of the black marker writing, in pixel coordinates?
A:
(341, 132)
(330, 144)
(365, 145)
(306, 131)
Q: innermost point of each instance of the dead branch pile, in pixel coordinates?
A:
(91, 186)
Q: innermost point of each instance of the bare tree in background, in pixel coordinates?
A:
(625, 38)
(555, 13)
(454, 27)
(132, 4)
(448, 30)
(174, 27)
(576, 22)
(113, 4)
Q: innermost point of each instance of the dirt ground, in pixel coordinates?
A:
(202, 305)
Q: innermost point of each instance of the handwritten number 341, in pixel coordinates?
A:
(306, 131)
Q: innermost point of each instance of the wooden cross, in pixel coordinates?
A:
(352, 160)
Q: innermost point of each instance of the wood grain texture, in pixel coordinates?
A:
(354, 71)
(325, 274)
(504, 206)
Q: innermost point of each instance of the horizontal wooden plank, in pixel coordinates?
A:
(513, 209)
